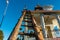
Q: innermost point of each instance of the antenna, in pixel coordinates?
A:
(38, 2)
(7, 2)
(25, 7)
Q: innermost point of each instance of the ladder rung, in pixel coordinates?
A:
(28, 34)
(28, 15)
(27, 20)
(27, 25)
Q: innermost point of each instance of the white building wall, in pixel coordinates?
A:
(55, 23)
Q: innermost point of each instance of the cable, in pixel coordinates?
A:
(7, 2)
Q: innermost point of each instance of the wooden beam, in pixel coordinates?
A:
(38, 32)
(46, 12)
(43, 11)
(15, 32)
(27, 34)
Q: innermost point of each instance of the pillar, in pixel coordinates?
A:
(43, 25)
(57, 18)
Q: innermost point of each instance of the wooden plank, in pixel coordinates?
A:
(43, 11)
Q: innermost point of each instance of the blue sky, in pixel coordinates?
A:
(15, 8)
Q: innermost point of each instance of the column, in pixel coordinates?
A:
(43, 25)
(57, 18)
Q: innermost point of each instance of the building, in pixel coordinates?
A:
(43, 23)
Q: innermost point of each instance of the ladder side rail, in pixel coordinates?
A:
(15, 32)
(37, 30)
